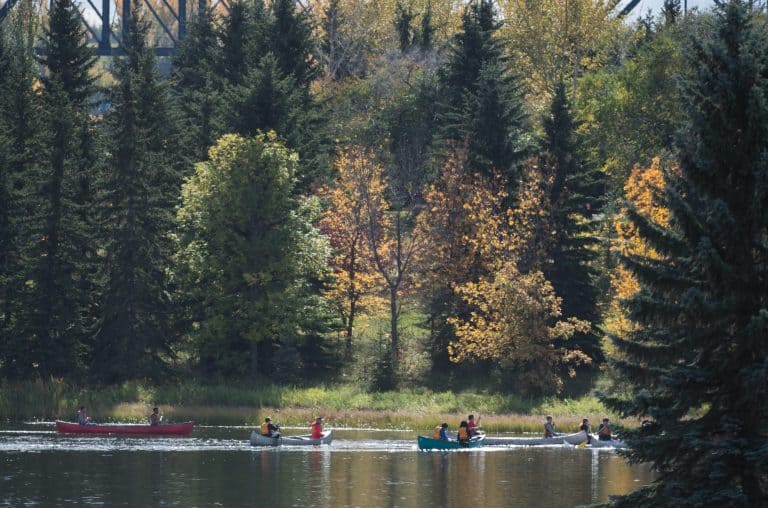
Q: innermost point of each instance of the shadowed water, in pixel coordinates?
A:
(218, 467)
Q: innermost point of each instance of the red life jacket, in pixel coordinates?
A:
(317, 430)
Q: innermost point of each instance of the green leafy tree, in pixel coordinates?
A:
(138, 195)
(576, 191)
(253, 256)
(482, 99)
(698, 355)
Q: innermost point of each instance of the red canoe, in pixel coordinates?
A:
(173, 429)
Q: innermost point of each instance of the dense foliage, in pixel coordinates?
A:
(403, 192)
(697, 355)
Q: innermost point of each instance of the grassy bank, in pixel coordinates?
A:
(341, 405)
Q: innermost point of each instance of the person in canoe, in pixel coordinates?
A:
(317, 428)
(441, 432)
(269, 429)
(474, 425)
(549, 428)
(155, 418)
(463, 436)
(584, 427)
(83, 418)
(604, 431)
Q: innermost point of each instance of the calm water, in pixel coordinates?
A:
(369, 469)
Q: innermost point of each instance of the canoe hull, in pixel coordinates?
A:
(574, 439)
(173, 429)
(523, 441)
(305, 440)
(428, 443)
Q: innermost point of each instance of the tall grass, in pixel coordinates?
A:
(342, 405)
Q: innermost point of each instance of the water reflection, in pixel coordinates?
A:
(217, 467)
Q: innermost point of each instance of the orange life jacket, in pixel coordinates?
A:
(436, 433)
(265, 429)
(463, 434)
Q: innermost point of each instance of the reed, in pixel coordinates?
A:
(341, 405)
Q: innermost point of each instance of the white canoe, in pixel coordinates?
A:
(304, 440)
(574, 439)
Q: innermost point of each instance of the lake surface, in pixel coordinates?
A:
(367, 469)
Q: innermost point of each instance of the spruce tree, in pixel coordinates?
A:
(21, 133)
(198, 86)
(136, 213)
(698, 358)
(403, 27)
(56, 318)
(292, 42)
(575, 198)
(426, 36)
(482, 101)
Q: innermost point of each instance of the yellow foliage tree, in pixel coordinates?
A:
(475, 247)
(643, 189)
(556, 40)
(392, 248)
(345, 224)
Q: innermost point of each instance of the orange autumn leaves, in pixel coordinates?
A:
(466, 240)
(643, 190)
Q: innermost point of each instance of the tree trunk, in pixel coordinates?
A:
(394, 337)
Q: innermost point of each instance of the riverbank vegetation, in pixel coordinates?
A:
(340, 405)
(383, 210)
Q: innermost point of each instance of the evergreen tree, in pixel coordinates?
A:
(575, 197)
(698, 357)
(426, 36)
(292, 42)
(56, 318)
(403, 27)
(139, 192)
(234, 34)
(671, 11)
(21, 134)
(198, 86)
(483, 103)
(269, 101)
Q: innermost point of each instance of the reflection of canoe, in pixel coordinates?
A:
(173, 429)
(574, 439)
(305, 440)
(613, 443)
(428, 443)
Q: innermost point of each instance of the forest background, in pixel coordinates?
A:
(395, 214)
(401, 196)
(354, 197)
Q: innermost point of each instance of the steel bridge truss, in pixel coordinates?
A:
(170, 25)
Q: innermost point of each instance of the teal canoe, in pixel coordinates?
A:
(428, 443)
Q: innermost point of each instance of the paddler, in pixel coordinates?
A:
(155, 418)
(463, 435)
(549, 428)
(441, 432)
(269, 429)
(317, 428)
(473, 425)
